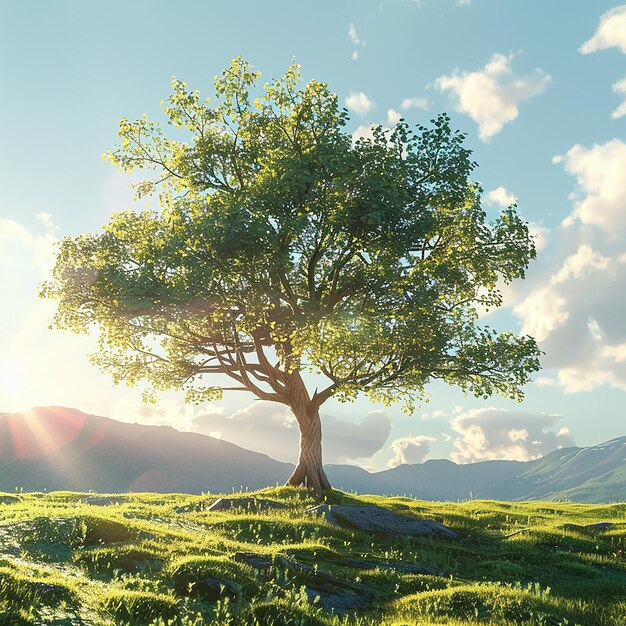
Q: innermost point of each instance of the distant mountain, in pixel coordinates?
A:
(55, 448)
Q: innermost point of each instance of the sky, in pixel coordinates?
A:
(538, 87)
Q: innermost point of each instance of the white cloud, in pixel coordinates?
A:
(355, 56)
(463, 3)
(363, 132)
(501, 196)
(39, 247)
(540, 234)
(352, 35)
(577, 316)
(359, 103)
(600, 198)
(166, 412)
(393, 117)
(270, 428)
(620, 88)
(490, 433)
(410, 450)
(415, 103)
(491, 96)
(12, 231)
(545, 381)
(611, 32)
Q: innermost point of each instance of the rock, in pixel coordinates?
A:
(9, 499)
(105, 500)
(257, 561)
(337, 603)
(599, 527)
(376, 519)
(401, 568)
(255, 504)
(212, 589)
(192, 507)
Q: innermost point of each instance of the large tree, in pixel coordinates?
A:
(283, 250)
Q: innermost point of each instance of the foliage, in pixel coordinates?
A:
(365, 263)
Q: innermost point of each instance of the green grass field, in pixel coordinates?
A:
(63, 561)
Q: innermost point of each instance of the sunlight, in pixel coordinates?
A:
(12, 377)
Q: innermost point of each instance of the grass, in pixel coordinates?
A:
(139, 562)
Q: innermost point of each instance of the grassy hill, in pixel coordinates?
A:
(70, 558)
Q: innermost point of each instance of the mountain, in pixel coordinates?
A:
(55, 448)
(591, 474)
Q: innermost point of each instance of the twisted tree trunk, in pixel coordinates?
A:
(309, 469)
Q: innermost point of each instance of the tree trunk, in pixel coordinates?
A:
(309, 470)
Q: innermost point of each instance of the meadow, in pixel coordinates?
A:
(151, 559)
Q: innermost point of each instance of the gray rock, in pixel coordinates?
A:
(257, 561)
(599, 527)
(337, 603)
(192, 507)
(254, 504)
(105, 500)
(376, 519)
(212, 589)
(590, 529)
(401, 568)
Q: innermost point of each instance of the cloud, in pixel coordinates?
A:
(40, 247)
(355, 56)
(359, 103)
(491, 96)
(490, 433)
(600, 198)
(12, 231)
(434, 415)
(270, 428)
(352, 35)
(166, 412)
(415, 103)
(620, 88)
(540, 234)
(611, 32)
(365, 132)
(393, 117)
(501, 196)
(577, 316)
(410, 450)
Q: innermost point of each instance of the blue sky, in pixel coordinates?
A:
(539, 88)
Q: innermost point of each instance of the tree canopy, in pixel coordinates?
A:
(282, 247)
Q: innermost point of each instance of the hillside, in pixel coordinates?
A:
(155, 559)
(57, 448)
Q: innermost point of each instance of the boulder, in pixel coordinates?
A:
(212, 589)
(257, 561)
(591, 529)
(336, 602)
(401, 568)
(600, 527)
(105, 500)
(376, 519)
(251, 504)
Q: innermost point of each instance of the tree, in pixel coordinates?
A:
(283, 247)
